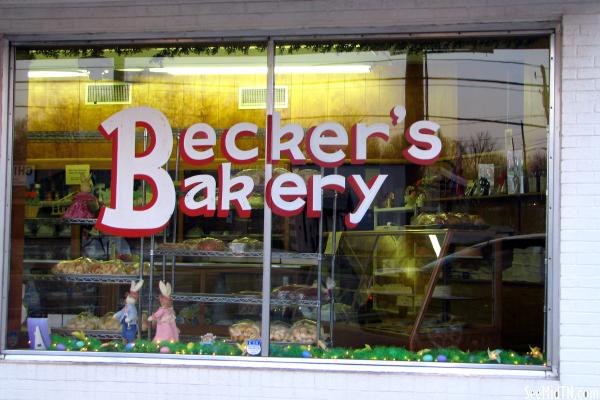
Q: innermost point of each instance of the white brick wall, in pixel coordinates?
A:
(580, 195)
(108, 16)
(580, 198)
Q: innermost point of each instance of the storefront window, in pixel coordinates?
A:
(408, 200)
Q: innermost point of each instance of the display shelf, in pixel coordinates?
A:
(92, 333)
(450, 297)
(396, 271)
(44, 261)
(392, 292)
(240, 299)
(62, 221)
(81, 278)
(489, 197)
(247, 256)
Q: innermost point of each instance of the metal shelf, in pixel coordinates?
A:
(247, 256)
(117, 279)
(92, 333)
(240, 299)
(63, 221)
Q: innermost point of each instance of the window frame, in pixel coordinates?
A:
(8, 47)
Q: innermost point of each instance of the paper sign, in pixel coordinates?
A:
(73, 173)
(23, 174)
(253, 347)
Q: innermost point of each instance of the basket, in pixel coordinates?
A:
(31, 211)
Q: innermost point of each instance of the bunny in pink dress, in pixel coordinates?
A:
(166, 329)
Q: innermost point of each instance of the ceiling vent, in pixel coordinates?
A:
(256, 97)
(108, 93)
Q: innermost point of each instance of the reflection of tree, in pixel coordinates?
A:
(479, 149)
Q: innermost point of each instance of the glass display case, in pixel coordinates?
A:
(425, 287)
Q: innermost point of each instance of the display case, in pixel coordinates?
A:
(423, 287)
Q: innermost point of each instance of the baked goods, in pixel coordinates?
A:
(304, 331)
(108, 323)
(257, 175)
(244, 330)
(279, 331)
(279, 171)
(84, 265)
(306, 173)
(80, 265)
(110, 267)
(205, 244)
(83, 321)
(299, 292)
(249, 244)
(450, 218)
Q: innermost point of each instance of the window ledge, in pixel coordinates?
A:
(355, 366)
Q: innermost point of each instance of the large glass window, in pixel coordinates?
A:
(407, 194)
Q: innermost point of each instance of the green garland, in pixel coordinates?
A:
(394, 46)
(377, 353)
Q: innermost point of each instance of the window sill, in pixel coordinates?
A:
(352, 366)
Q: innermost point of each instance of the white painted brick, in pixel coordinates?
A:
(578, 129)
(578, 62)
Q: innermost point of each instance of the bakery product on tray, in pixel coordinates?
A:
(299, 292)
(304, 331)
(84, 265)
(81, 265)
(448, 218)
(279, 331)
(244, 330)
(205, 244)
(248, 244)
(83, 321)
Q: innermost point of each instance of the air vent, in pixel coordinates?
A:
(108, 93)
(256, 98)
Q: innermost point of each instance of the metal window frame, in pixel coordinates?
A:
(552, 29)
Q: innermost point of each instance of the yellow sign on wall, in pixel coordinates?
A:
(73, 173)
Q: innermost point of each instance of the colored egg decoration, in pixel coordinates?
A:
(60, 347)
(306, 354)
(190, 346)
(442, 358)
(165, 350)
(428, 357)
(129, 346)
(79, 343)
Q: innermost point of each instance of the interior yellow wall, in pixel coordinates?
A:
(56, 105)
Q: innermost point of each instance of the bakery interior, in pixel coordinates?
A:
(450, 255)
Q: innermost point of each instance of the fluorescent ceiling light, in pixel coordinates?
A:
(211, 70)
(262, 70)
(57, 74)
(324, 69)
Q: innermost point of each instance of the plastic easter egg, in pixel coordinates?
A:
(165, 350)
(427, 357)
(79, 343)
(190, 346)
(60, 347)
(442, 358)
(129, 346)
(306, 354)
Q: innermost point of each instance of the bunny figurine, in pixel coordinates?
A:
(128, 314)
(166, 329)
